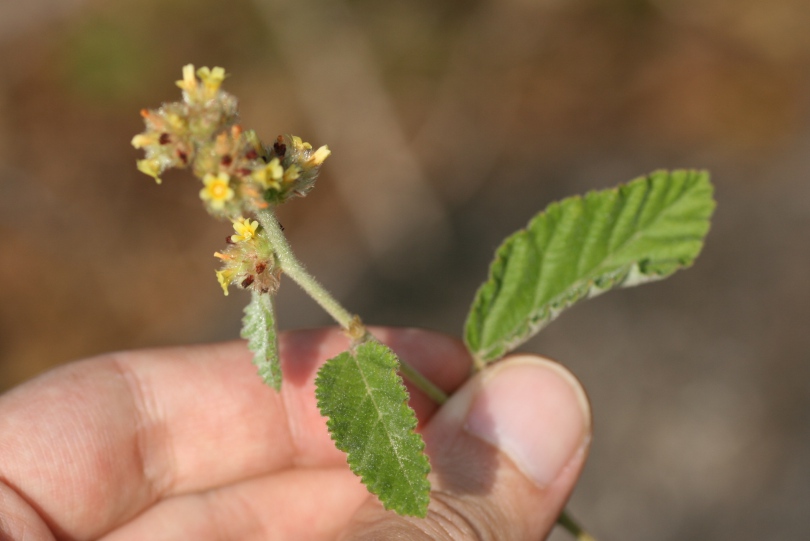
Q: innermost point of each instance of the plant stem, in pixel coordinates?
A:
(296, 271)
(572, 526)
(424, 384)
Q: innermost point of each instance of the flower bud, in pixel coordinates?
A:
(248, 260)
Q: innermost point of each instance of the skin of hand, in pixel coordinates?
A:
(188, 443)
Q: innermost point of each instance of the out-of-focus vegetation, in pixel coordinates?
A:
(455, 121)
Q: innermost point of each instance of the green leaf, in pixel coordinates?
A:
(369, 418)
(583, 246)
(259, 328)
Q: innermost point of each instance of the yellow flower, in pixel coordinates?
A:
(245, 229)
(319, 156)
(291, 174)
(176, 122)
(189, 82)
(150, 167)
(269, 175)
(300, 144)
(143, 140)
(212, 79)
(216, 191)
(224, 278)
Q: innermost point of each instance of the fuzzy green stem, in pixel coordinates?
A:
(572, 526)
(424, 384)
(296, 271)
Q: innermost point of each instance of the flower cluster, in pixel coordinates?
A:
(248, 262)
(240, 175)
(175, 130)
(291, 169)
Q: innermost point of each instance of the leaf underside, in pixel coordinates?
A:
(259, 328)
(581, 247)
(369, 418)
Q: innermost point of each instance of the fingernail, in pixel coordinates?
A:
(536, 412)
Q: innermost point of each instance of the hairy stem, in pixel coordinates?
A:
(296, 271)
(424, 384)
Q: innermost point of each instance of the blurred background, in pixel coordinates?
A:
(451, 124)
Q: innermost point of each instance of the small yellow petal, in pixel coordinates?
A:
(292, 173)
(177, 122)
(142, 140)
(274, 169)
(269, 175)
(212, 79)
(149, 167)
(189, 82)
(245, 229)
(319, 156)
(224, 279)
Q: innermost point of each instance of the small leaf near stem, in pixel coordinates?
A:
(259, 328)
(369, 419)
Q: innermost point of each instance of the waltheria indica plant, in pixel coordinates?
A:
(575, 249)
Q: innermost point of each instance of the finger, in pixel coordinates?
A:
(313, 504)
(18, 520)
(506, 451)
(94, 443)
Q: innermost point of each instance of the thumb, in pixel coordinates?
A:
(506, 451)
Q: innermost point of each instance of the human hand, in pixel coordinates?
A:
(187, 443)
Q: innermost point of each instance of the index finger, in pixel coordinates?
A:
(92, 444)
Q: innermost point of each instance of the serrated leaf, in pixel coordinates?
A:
(369, 418)
(583, 246)
(259, 328)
